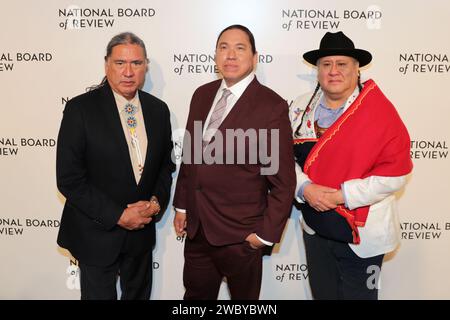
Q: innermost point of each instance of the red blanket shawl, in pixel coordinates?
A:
(369, 139)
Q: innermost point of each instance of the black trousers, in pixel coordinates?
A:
(99, 282)
(335, 272)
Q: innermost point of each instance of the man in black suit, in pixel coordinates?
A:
(114, 167)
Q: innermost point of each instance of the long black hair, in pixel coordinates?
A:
(297, 131)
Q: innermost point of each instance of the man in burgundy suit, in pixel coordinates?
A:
(230, 199)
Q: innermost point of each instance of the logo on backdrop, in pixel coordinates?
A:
(76, 18)
(291, 272)
(10, 146)
(177, 139)
(18, 226)
(201, 63)
(73, 274)
(423, 62)
(429, 149)
(10, 60)
(329, 19)
(181, 238)
(429, 230)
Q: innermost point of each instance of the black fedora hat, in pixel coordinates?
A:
(338, 44)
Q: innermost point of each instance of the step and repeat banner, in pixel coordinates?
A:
(52, 50)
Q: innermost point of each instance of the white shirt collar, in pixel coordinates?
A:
(122, 101)
(238, 88)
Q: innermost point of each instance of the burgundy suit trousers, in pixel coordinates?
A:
(205, 266)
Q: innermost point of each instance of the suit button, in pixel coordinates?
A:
(199, 188)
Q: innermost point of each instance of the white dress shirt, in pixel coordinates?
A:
(140, 131)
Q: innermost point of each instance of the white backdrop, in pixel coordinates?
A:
(51, 51)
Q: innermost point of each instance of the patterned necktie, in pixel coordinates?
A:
(216, 117)
(132, 123)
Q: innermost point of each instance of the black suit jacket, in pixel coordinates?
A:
(94, 173)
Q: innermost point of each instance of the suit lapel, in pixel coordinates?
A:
(207, 102)
(112, 117)
(241, 106)
(148, 114)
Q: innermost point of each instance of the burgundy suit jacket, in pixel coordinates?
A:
(231, 201)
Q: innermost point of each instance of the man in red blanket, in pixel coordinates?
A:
(352, 153)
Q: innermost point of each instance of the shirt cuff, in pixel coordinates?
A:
(180, 210)
(343, 194)
(301, 189)
(267, 243)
